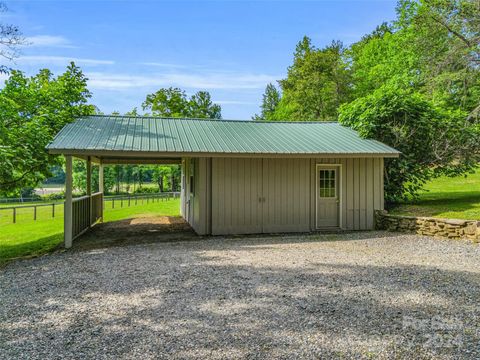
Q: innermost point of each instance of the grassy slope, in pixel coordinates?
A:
(455, 198)
(32, 238)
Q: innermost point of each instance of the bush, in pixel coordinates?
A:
(54, 196)
(146, 190)
(432, 141)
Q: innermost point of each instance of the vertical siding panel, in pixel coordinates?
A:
(313, 194)
(214, 193)
(356, 194)
(343, 204)
(217, 191)
(286, 205)
(222, 182)
(259, 192)
(308, 194)
(350, 200)
(376, 183)
(266, 207)
(362, 194)
(295, 174)
(382, 187)
(279, 194)
(248, 205)
(241, 179)
(369, 194)
(228, 194)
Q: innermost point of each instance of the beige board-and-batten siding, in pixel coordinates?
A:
(255, 195)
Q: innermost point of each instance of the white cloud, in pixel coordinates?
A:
(164, 65)
(49, 41)
(60, 60)
(206, 80)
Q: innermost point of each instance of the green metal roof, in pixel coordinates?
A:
(147, 135)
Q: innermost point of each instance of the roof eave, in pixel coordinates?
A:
(154, 154)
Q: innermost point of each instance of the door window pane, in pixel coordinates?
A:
(327, 183)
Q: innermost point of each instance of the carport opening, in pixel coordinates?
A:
(84, 217)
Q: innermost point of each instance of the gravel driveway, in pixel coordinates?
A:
(358, 295)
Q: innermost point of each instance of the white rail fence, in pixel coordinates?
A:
(86, 211)
(36, 211)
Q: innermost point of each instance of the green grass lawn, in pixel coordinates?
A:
(454, 198)
(29, 238)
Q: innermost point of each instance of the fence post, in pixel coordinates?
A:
(53, 210)
(14, 215)
(34, 213)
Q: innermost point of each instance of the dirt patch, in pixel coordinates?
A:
(138, 230)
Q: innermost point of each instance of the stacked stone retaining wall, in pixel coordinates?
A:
(445, 228)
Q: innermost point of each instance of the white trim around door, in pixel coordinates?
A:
(339, 183)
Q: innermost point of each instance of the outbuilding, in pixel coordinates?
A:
(238, 177)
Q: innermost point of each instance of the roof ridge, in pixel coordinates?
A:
(221, 120)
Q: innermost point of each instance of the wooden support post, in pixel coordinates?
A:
(89, 190)
(67, 211)
(100, 188)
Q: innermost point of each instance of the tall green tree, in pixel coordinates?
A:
(317, 83)
(271, 99)
(32, 111)
(80, 177)
(173, 102)
(417, 88)
(446, 37)
(160, 174)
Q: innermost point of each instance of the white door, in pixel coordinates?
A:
(328, 199)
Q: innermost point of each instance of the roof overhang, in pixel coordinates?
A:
(143, 157)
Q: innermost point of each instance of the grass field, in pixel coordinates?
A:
(29, 238)
(454, 198)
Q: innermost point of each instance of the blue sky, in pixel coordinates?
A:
(231, 49)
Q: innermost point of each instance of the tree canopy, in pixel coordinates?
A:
(32, 111)
(270, 102)
(173, 102)
(413, 84)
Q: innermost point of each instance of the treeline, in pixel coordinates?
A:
(34, 109)
(413, 84)
(119, 179)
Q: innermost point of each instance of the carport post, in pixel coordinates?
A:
(67, 209)
(100, 187)
(89, 188)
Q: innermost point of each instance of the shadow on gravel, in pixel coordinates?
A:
(212, 299)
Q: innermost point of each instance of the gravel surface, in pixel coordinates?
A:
(358, 295)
